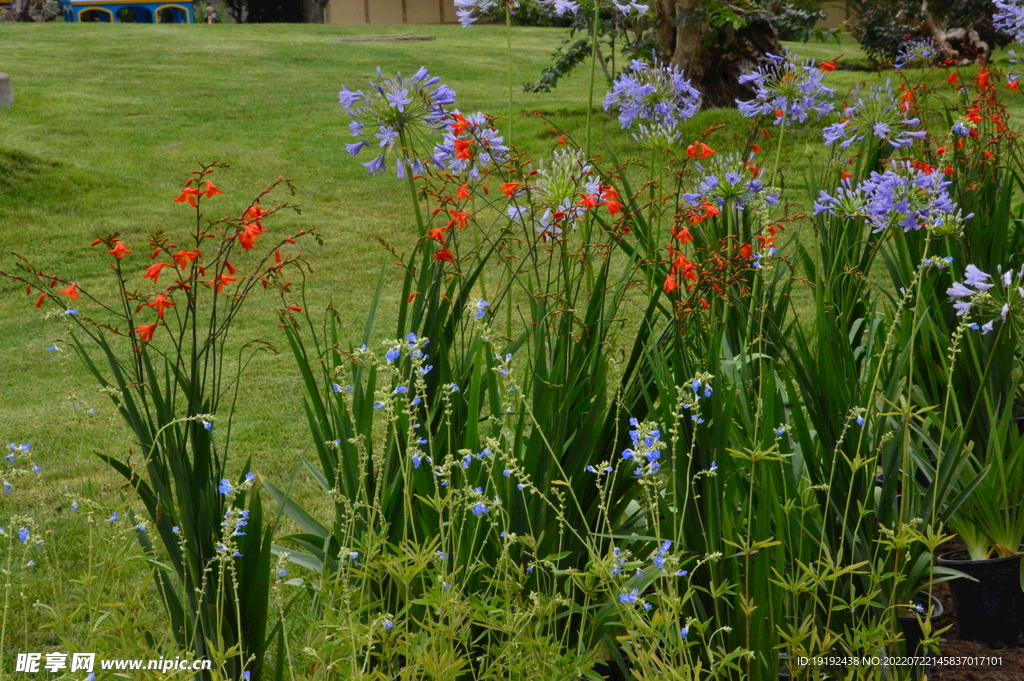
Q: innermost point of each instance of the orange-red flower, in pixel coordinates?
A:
(160, 303)
(983, 78)
(71, 291)
(1014, 85)
(746, 251)
(445, 255)
(611, 199)
(952, 78)
(221, 281)
(460, 218)
(460, 124)
(211, 190)
(119, 250)
(670, 284)
(463, 192)
(145, 331)
(153, 271)
(40, 299)
(188, 195)
(700, 151)
(827, 66)
(462, 149)
(588, 201)
(510, 189)
(437, 234)
(183, 257)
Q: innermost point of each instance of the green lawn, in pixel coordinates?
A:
(109, 120)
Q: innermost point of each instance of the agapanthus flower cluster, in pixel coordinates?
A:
(629, 7)
(1001, 297)
(876, 113)
(1009, 18)
(904, 195)
(563, 7)
(469, 11)
(916, 53)
(654, 98)
(646, 449)
(728, 177)
(394, 116)
(788, 91)
(564, 189)
(470, 144)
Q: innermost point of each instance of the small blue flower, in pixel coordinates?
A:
(681, 573)
(684, 632)
(249, 477)
(780, 430)
(481, 309)
(36, 469)
(425, 369)
(378, 405)
(246, 675)
(225, 487)
(393, 354)
(113, 517)
(353, 555)
(647, 607)
(714, 466)
(23, 535)
(441, 555)
(207, 425)
(236, 554)
(521, 486)
(416, 400)
(142, 528)
(860, 420)
(454, 387)
(335, 387)
(401, 390)
(961, 129)
(629, 597)
(176, 530)
(74, 506)
(388, 625)
(7, 487)
(10, 458)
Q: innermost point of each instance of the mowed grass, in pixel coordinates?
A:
(110, 119)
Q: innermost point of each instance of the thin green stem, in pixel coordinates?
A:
(508, 43)
(593, 69)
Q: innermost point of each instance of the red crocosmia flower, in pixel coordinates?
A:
(681, 233)
(40, 299)
(188, 195)
(463, 192)
(145, 331)
(779, 113)
(700, 151)
(294, 308)
(941, 150)
(988, 154)
(710, 210)
(231, 268)
(437, 234)
(462, 149)
(952, 78)
(510, 189)
(153, 271)
(746, 251)
(974, 114)
(211, 190)
(755, 148)
(160, 303)
(460, 124)
(95, 242)
(445, 255)
(561, 140)
(983, 78)
(119, 250)
(588, 201)
(924, 167)
(948, 171)
(846, 175)
(611, 199)
(184, 257)
(459, 218)
(670, 284)
(221, 281)
(827, 66)
(71, 291)
(1014, 85)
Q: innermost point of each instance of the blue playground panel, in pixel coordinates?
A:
(108, 11)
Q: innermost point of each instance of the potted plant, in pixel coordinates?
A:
(990, 600)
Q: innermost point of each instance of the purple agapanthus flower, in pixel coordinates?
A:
(394, 116)
(873, 113)
(1009, 18)
(903, 195)
(1000, 295)
(656, 99)
(728, 177)
(471, 143)
(468, 11)
(563, 7)
(788, 91)
(916, 53)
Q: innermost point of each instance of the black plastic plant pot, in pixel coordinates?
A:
(990, 610)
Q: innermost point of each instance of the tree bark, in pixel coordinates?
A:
(714, 58)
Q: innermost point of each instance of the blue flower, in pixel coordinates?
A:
(176, 529)
(629, 597)
(207, 425)
(246, 675)
(481, 309)
(479, 508)
(393, 354)
(786, 91)
(860, 420)
(401, 390)
(780, 430)
(378, 405)
(74, 506)
(36, 469)
(335, 387)
(23, 535)
(655, 98)
(916, 53)
(684, 632)
(681, 573)
(961, 129)
(225, 487)
(453, 387)
(388, 625)
(113, 517)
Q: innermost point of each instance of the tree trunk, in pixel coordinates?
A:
(713, 58)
